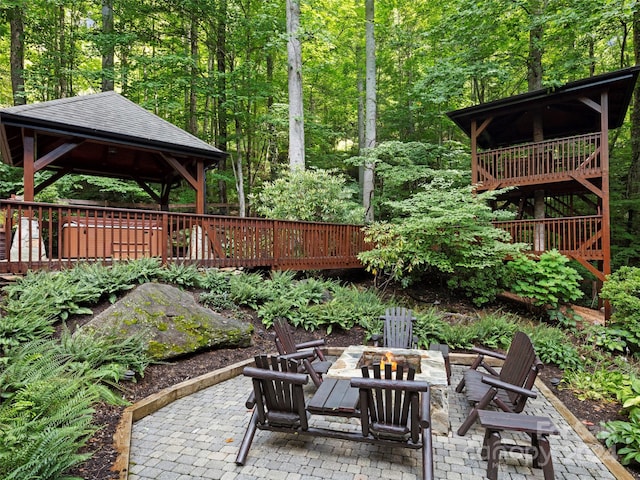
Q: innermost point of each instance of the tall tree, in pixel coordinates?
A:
(370, 109)
(296, 108)
(16, 15)
(108, 50)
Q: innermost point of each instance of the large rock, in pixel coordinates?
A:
(172, 321)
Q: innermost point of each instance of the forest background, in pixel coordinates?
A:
(218, 69)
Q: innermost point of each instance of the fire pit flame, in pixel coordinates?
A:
(388, 359)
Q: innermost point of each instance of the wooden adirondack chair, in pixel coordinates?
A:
(508, 389)
(398, 329)
(394, 412)
(310, 353)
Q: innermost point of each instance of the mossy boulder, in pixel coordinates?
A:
(172, 321)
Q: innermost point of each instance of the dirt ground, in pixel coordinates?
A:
(165, 375)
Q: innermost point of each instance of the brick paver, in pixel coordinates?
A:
(197, 437)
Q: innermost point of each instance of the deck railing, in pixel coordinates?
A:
(573, 236)
(39, 235)
(540, 162)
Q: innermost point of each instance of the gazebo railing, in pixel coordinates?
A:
(540, 162)
(40, 235)
(578, 237)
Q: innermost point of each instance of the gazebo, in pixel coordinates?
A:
(104, 134)
(551, 146)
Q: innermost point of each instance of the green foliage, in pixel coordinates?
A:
(625, 435)
(441, 230)
(622, 289)
(601, 384)
(548, 281)
(310, 195)
(554, 346)
(184, 275)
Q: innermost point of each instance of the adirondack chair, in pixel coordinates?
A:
(310, 353)
(398, 329)
(394, 412)
(510, 388)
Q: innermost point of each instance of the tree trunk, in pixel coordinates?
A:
(108, 52)
(633, 176)
(296, 112)
(534, 77)
(370, 106)
(221, 60)
(192, 126)
(361, 139)
(16, 16)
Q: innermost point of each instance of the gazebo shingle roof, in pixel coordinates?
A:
(106, 115)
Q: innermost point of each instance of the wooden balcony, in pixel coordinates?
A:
(553, 161)
(46, 236)
(576, 237)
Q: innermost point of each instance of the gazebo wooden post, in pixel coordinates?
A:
(28, 141)
(200, 187)
(606, 215)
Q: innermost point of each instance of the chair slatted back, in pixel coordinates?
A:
(278, 390)
(390, 407)
(398, 327)
(285, 343)
(520, 368)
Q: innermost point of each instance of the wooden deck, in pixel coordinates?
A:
(47, 236)
(559, 160)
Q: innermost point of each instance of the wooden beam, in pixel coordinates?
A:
(149, 190)
(586, 183)
(51, 180)
(590, 267)
(55, 154)
(178, 167)
(590, 103)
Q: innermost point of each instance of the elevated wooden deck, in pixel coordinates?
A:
(562, 160)
(47, 236)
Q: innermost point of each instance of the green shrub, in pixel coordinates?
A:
(553, 346)
(309, 195)
(442, 230)
(181, 274)
(622, 289)
(548, 281)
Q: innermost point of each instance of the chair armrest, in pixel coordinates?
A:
(389, 384)
(251, 401)
(508, 386)
(489, 353)
(301, 355)
(311, 343)
(265, 374)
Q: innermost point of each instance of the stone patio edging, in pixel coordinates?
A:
(146, 406)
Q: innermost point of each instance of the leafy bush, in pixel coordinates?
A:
(184, 275)
(625, 435)
(548, 281)
(309, 195)
(553, 346)
(622, 289)
(441, 230)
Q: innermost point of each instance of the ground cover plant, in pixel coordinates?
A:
(87, 371)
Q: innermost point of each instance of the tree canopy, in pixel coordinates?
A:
(218, 68)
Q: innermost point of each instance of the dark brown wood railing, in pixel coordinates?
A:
(573, 236)
(39, 235)
(536, 163)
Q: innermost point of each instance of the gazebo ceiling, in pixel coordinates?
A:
(563, 110)
(106, 135)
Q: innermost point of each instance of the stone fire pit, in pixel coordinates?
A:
(429, 365)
